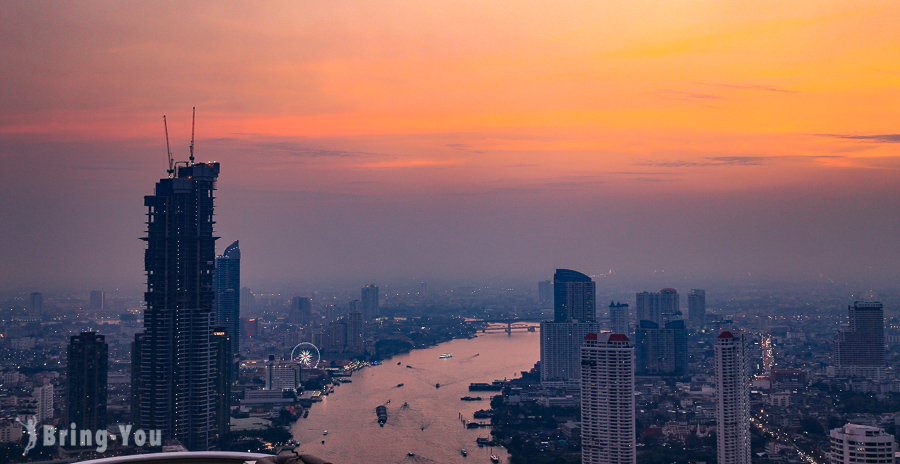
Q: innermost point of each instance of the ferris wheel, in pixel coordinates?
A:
(307, 354)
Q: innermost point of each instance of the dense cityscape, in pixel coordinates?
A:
(201, 363)
(430, 232)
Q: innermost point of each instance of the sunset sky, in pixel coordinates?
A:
(670, 141)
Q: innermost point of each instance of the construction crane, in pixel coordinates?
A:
(193, 119)
(171, 169)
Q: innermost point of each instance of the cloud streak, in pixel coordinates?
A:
(762, 88)
(877, 138)
(713, 161)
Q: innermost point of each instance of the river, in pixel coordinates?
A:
(429, 426)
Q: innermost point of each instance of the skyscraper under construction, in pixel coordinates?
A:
(173, 359)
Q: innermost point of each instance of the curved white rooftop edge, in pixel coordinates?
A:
(183, 457)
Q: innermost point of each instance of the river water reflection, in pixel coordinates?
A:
(429, 424)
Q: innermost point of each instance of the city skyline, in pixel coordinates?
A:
(467, 142)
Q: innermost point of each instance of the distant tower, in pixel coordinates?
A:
(227, 285)
(697, 307)
(607, 400)
(173, 370)
(545, 294)
(574, 318)
(223, 373)
(573, 297)
(732, 399)
(661, 350)
(355, 333)
(618, 317)
(301, 311)
(369, 299)
(88, 364)
(43, 399)
(247, 300)
(859, 444)
(859, 349)
(36, 307)
(98, 300)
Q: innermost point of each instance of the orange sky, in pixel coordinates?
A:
(650, 97)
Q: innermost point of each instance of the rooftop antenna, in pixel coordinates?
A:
(168, 150)
(193, 118)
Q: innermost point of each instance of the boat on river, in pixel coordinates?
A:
(381, 412)
(494, 458)
(471, 398)
(463, 452)
(496, 385)
(446, 356)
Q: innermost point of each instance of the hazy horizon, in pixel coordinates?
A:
(465, 143)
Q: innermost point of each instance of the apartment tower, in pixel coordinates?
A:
(87, 369)
(607, 400)
(732, 399)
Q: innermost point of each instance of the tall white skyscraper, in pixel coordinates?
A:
(607, 400)
(732, 399)
(861, 444)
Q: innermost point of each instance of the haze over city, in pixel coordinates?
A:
(667, 142)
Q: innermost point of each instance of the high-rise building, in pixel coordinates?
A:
(859, 349)
(560, 345)
(301, 311)
(659, 307)
(607, 400)
(282, 375)
(227, 285)
(174, 367)
(369, 299)
(545, 294)
(248, 300)
(573, 297)
(618, 317)
(332, 338)
(98, 300)
(355, 333)
(732, 399)
(88, 365)
(223, 374)
(861, 444)
(35, 307)
(661, 350)
(43, 402)
(697, 307)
